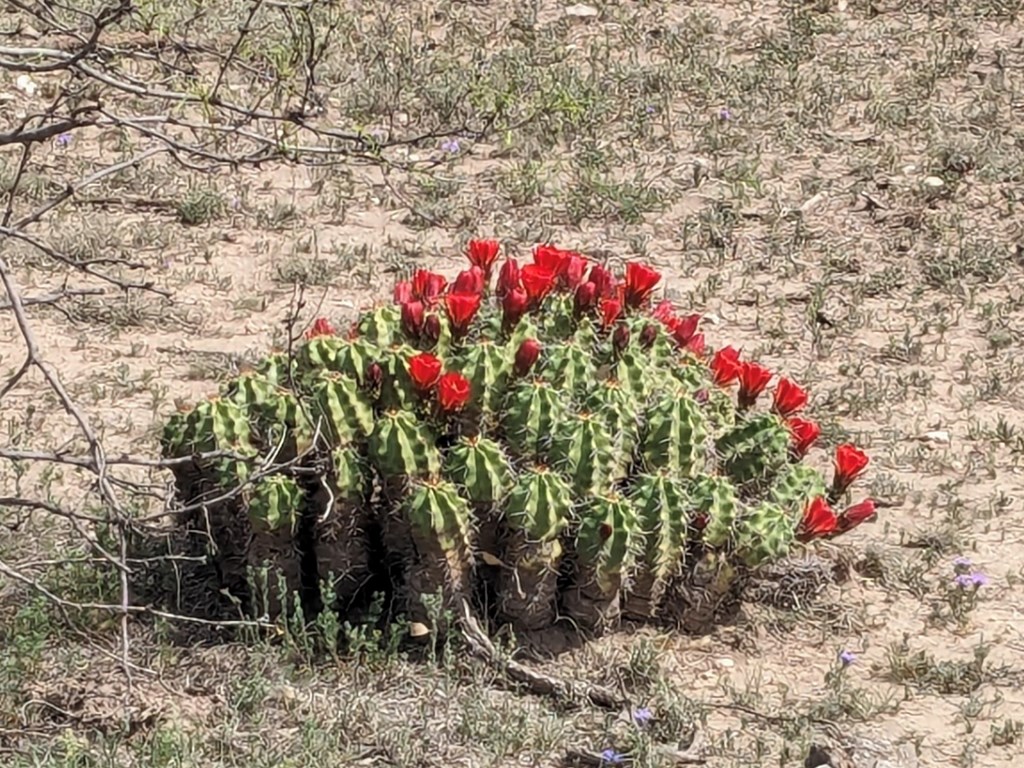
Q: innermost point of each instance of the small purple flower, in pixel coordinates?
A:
(451, 146)
(846, 658)
(976, 579)
(650, 109)
(643, 716)
(611, 757)
(725, 114)
(64, 140)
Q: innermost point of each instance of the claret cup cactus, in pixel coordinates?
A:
(545, 438)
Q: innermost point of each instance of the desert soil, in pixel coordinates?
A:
(836, 184)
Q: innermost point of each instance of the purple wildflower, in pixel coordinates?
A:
(725, 114)
(64, 140)
(451, 146)
(846, 658)
(976, 579)
(611, 757)
(643, 716)
(650, 109)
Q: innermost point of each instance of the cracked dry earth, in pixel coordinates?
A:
(837, 185)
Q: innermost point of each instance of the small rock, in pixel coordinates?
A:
(933, 183)
(581, 11)
(725, 663)
(26, 85)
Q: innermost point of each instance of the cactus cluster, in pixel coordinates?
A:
(545, 435)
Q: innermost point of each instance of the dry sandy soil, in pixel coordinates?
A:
(839, 183)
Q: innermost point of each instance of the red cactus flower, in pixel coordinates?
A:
(575, 271)
(471, 280)
(725, 366)
(640, 282)
(551, 259)
(403, 292)
(753, 379)
(611, 309)
(513, 307)
(483, 254)
(412, 319)
(855, 515)
(453, 391)
(462, 308)
(818, 520)
(427, 286)
(803, 434)
(508, 277)
(605, 531)
(526, 356)
(586, 297)
(537, 281)
(321, 327)
(603, 280)
(665, 313)
(696, 345)
(683, 329)
(424, 370)
(789, 398)
(850, 463)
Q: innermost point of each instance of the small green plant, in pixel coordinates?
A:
(560, 439)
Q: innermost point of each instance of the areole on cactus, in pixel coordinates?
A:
(564, 439)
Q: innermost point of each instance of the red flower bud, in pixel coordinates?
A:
(537, 281)
(648, 335)
(513, 307)
(321, 327)
(725, 366)
(483, 254)
(611, 309)
(453, 391)
(412, 319)
(753, 379)
(431, 329)
(850, 463)
(403, 292)
(508, 277)
(526, 356)
(374, 375)
(427, 286)
(620, 338)
(818, 520)
(855, 515)
(586, 297)
(424, 370)
(462, 308)
(605, 531)
(640, 282)
(802, 434)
